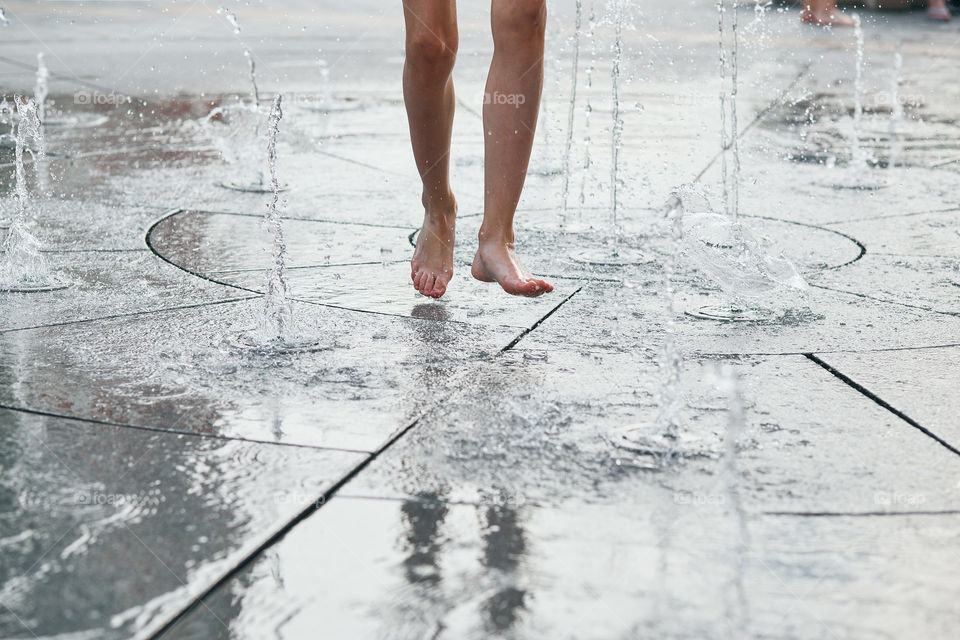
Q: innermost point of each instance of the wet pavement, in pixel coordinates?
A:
(458, 469)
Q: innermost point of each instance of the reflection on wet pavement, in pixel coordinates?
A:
(451, 468)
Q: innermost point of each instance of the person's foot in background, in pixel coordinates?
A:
(824, 13)
(937, 10)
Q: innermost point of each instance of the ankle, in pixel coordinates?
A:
(495, 237)
(440, 203)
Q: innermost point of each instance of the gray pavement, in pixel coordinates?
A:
(455, 469)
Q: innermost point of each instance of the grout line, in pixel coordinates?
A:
(883, 301)
(880, 401)
(536, 324)
(859, 514)
(130, 314)
(177, 432)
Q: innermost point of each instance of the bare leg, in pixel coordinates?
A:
(431, 45)
(824, 13)
(512, 103)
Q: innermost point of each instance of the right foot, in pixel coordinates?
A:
(432, 266)
(827, 18)
(498, 262)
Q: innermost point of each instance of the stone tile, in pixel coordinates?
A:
(921, 383)
(606, 316)
(108, 284)
(106, 532)
(541, 426)
(370, 376)
(427, 569)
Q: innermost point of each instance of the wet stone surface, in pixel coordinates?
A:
(458, 468)
(107, 531)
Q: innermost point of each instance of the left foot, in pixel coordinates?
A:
(498, 262)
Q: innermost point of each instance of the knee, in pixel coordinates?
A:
(432, 51)
(520, 18)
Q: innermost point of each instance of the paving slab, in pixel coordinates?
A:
(106, 531)
(502, 506)
(920, 383)
(370, 375)
(101, 284)
(531, 427)
(607, 316)
(423, 568)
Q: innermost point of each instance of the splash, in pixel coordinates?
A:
(721, 245)
(4, 20)
(22, 266)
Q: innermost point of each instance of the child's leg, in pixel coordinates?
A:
(428, 93)
(512, 103)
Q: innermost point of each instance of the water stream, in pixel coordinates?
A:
(23, 268)
(571, 112)
(738, 613)
(276, 320)
(896, 109)
(41, 88)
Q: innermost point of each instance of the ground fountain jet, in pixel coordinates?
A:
(571, 112)
(661, 440)
(857, 174)
(737, 606)
(22, 266)
(720, 244)
(41, 88)
(53, 118)
(277, 329)
(615, 252)
(896, 109)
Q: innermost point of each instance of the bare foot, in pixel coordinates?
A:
(498, 262)
(432, 264)
(827, 18)
(937, 10)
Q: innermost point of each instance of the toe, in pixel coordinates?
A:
(439, 288)
(428, 281)
(418, 281)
